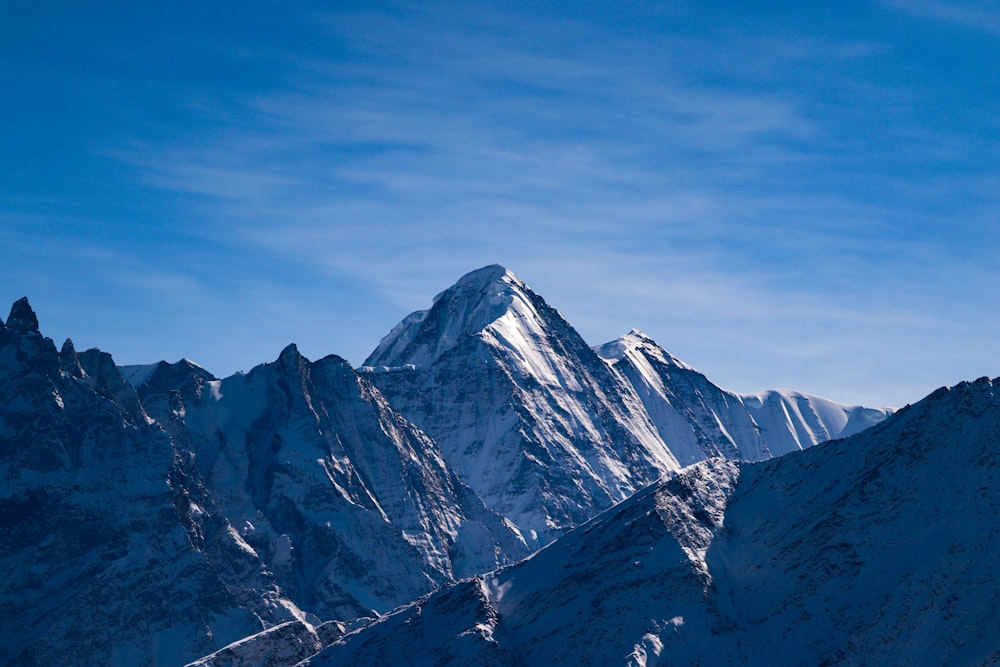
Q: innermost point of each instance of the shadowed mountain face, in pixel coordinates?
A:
(877, 549)
(107, 559)
(350, 506)
(156, 526)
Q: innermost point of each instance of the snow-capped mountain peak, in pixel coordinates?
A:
(524, 410)
(477, 301)
(632, 344)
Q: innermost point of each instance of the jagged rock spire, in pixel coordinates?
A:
(22, 318)
(67, 348)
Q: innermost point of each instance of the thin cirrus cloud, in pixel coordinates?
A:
(388, 142)
(975, 16)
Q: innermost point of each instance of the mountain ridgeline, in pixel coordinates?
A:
(157, 514)
(549, 431)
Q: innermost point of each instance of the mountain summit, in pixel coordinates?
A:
(549, 431)
(22, 318)
(527, 414)
(489, 299)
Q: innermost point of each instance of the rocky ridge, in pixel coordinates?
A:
(877, 549)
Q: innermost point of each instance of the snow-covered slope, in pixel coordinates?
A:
(284, 644)
(790, 420)
(549, 431)
(155, 514)
(349, 505)
(106, 560)
(523, 409)
(877, 549)
(698, 420)
(694, 417)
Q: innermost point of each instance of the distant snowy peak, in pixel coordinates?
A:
(791, 420)
(698, 419)
(635, 345)
(479, 300)
(694, 417)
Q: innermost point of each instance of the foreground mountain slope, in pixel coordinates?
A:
(106, 558)
(699, 420)
(877, 549)
(523, 409)
(351, 507)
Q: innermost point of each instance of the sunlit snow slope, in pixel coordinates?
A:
(699, 420)
(526, 413)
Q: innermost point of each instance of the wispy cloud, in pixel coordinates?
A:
(981, 17)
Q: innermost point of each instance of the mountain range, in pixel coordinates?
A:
(547, 430)
(156, 514)
(875, 550)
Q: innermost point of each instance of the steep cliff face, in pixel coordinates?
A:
(527, 414)
(351, 507)
(106, 558)
(877, 549)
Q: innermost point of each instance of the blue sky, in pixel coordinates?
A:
(781, 195)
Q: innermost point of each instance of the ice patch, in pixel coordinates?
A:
(137, 375)
(241, 543)
(214, 387)
(647, 650)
